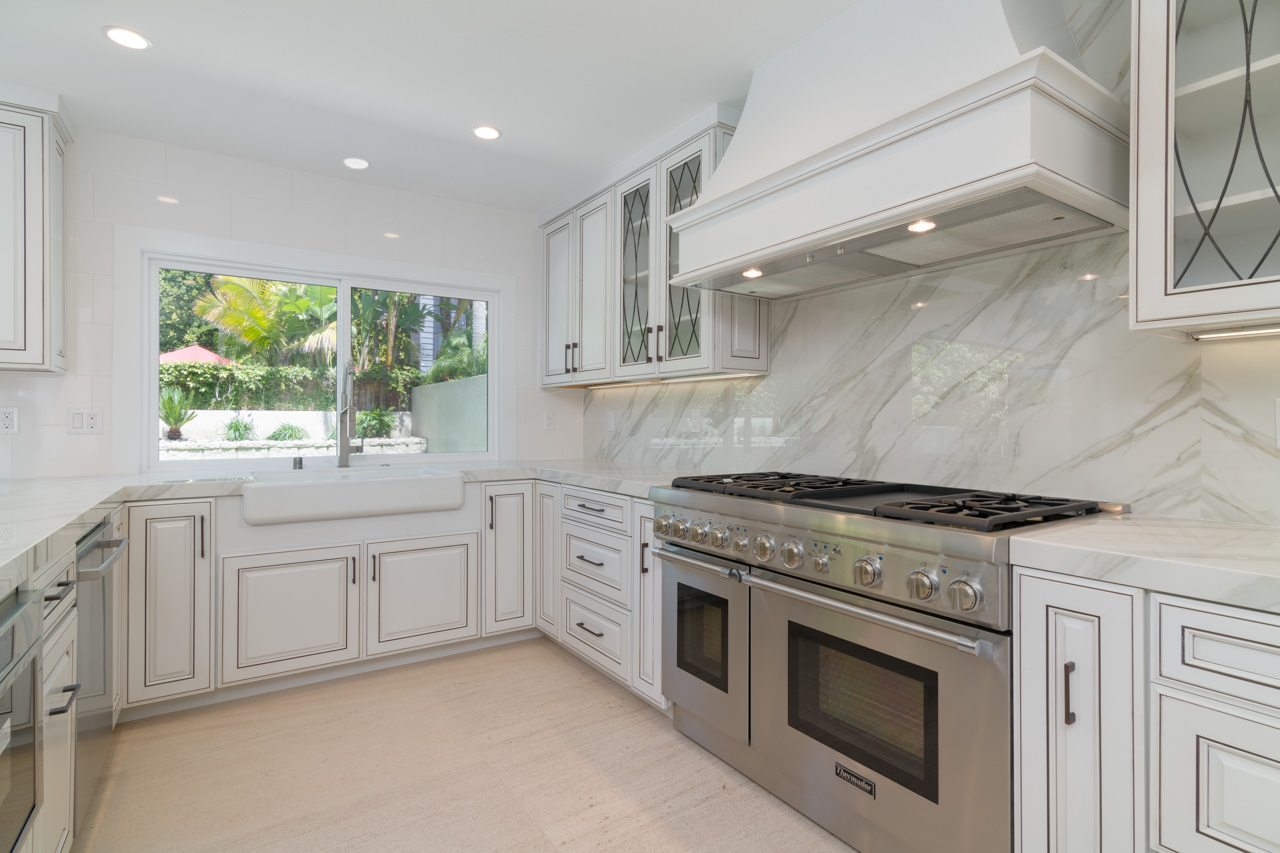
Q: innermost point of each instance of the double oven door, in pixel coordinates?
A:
(890, 728)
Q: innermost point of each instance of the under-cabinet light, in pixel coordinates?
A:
(167, 199)
(126, 37)
(1089, 276)
(921, 226)
(391, 236)
(1252, 332)
(636, 384)
(918, 304)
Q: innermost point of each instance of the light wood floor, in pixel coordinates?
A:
(521, 747)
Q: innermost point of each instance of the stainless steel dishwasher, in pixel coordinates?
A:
(96, 558)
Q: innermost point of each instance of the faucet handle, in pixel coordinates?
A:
(297, 463)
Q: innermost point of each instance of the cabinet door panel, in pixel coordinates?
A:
(595, 228)
(423, 592)
(557, 248)
(170, 608)
(546, 560)
(637, 314)
(685, 309)
(508, 558)
(21, 237)
(1219, 779)
(646, 615)
(57, 762)
(294, 609)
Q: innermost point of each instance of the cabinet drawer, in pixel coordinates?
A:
(1235, 652)
(610, 511)
(598, 562)
(598, 631)
(1219, 779)
(59, 589)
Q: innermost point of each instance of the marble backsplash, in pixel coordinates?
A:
(1018, 373)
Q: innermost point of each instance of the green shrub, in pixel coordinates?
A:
(375, 423)
(288, 432)
(239, 429)
(175, 411)
(252, 386)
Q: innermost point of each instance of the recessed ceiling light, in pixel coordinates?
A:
(484, 131)
(167, 199)
(1089, 276)
(752, 273)
(921, 226)
(126, 37)
(355, 163)
(391, 236)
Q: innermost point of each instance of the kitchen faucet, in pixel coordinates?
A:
(347, 418)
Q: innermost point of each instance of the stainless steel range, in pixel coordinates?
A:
(847, 643)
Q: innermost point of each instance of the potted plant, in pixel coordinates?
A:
(175, 412)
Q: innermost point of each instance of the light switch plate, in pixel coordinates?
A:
(9, 420)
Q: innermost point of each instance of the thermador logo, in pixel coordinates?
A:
(862, 783)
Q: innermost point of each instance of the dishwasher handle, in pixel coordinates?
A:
(117, 547)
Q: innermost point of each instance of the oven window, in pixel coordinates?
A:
(702, 635)
(17, 758)
(878, 710)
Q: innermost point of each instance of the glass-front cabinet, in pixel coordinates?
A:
(1206, 166)
(652, 329)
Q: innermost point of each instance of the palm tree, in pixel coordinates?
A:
(273, 319)
(457, 359)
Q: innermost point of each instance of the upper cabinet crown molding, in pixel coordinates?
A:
(610, 313)
(33, 140)
(1205, 165)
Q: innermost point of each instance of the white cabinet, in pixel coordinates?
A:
(646, 610)
(508, 557)
(1077, 718)
(1204, 161)
(32, 146)
(119, 625)
(422, 592)
(58, 759)
(577, 265)
(170, 589)
(288, 611)
(676, 331)
(546, 556)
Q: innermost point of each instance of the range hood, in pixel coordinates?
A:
(835, 178)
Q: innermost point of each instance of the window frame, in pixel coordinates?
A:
(153, 261)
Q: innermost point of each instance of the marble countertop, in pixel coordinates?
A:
(1235, 564)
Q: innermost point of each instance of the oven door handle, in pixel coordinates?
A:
(681, 560)
(971, 645)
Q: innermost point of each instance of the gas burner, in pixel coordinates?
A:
(986, 510)
(779, 486)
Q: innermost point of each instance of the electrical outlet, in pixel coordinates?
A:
(695, 420)
(9, 420)
(8, 535)
(548, 423)
(84, 421)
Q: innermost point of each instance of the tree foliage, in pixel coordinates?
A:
(273, 322)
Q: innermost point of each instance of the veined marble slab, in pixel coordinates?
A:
(1236, 564)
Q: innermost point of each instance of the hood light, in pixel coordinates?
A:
(355, 163)
(126, 37)
(921, 226)
(752, 273)
(484, 131)
(1256, 331)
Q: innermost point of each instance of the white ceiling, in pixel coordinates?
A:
(576, 86)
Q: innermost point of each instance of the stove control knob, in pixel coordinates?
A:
(698, 533)
(922, 585)
(866, 571)
(764, 548)
(818, 563)
(965, 595)
(662, 525)
(679, 528)
(719, 538)
(792, 553)
(740, 545)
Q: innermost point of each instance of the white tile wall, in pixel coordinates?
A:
(115, 181)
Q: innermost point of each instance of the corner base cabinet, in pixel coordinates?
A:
(508, 557)
(1078, 717)
(32, 146)
(170, 590)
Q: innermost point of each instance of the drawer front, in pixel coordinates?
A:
(597, 631)
(1235, 652)
(598, 562)
(60, 591)
(1219, 779)
(610, 511)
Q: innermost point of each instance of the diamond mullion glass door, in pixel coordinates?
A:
(685, 347)
(1207, 107)
(638, 307)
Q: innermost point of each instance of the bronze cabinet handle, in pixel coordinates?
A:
(1069, 716)
(589, 631)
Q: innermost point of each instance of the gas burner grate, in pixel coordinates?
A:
(986, 510)
(779, 486)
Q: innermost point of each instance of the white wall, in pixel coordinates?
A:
(114, 181)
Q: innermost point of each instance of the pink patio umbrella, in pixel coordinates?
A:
(195, 353)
